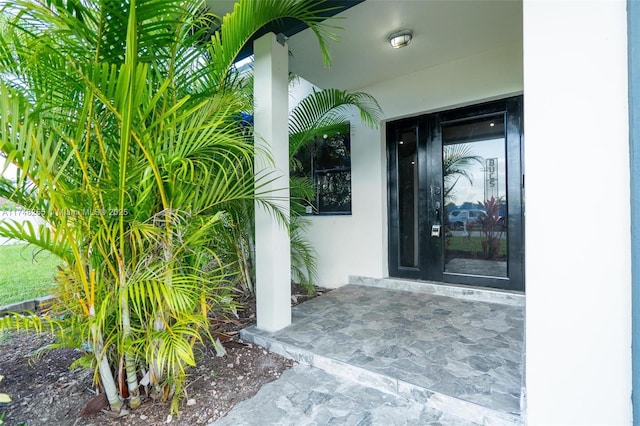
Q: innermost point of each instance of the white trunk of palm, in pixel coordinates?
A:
(109, 385)
(131, 367)
(104, 369)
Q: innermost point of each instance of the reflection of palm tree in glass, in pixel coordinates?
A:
(457, 159)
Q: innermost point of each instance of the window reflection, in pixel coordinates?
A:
(475, 197)
(408, 197)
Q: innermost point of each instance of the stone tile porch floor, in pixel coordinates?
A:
(461, 357)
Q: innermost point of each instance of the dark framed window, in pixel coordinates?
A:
(326, 161)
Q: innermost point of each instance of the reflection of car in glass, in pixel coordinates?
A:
(458, 219)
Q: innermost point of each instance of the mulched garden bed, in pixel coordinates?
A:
(45, 392)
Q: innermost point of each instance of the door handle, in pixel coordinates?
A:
(435, 228)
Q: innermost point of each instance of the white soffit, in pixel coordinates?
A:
(443, 31)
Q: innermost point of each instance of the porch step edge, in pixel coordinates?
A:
(448, 404)
(501, 297)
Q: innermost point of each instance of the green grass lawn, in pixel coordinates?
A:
(24, 274)
(472, 244)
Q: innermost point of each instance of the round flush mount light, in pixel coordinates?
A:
(401, 38)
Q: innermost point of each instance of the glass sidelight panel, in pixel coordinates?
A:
(475, 197)
(408, 198)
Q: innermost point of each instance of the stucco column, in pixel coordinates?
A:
(578, 272)
(273, 261)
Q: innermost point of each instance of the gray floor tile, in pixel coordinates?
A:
(308, 396)
(466, 349)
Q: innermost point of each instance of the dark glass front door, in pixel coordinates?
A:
(455, 196)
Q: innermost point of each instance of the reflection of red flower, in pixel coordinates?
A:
(470, 225)
(491, 229)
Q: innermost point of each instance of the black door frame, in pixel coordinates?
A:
(430, 201)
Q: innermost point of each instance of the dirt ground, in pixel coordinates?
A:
(45, 392)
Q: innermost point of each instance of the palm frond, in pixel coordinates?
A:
(250, 16)
(304, 266)
(41, 236)
(327, 111)
(122, 121)
(457, 160)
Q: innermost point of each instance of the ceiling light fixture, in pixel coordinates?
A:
(401, 38)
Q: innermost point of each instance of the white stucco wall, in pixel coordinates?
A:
(270, 82)
(357, 244)
(578, 314)
(299, 88)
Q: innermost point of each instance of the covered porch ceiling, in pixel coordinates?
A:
(443, 31)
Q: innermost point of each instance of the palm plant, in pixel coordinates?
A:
(121, 118)
(323, 112)
(327, 112)
(457, 159)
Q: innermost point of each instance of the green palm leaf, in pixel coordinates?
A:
(121, 118)
(457, 160)
(326, 111)
(252, 15)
